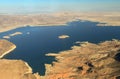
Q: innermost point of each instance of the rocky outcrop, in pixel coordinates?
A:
(87, 61)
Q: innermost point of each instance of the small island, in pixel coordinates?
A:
(11, 35)
(16, 33)
(63, 36)
(6, 37)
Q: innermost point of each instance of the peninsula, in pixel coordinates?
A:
(6, 47)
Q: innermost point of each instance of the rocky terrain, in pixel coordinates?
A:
(9, 22)
(87, 61)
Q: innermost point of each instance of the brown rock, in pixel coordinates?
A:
(87, 61)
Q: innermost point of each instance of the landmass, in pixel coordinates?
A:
(87, 61)
(63, 36)
(9, 22)
(11, 35)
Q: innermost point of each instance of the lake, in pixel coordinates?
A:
(44, 39)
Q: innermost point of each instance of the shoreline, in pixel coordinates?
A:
(58, 19)
(7, 52)
(29, 67)
(42, 25)
(97, 58)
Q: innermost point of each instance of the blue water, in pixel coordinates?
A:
(41, 40)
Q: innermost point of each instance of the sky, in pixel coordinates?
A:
(46, 6)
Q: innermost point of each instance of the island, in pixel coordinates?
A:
(11, 35)
(16, 33)
(6, 37)
(63, 36)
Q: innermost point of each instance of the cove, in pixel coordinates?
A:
(44, 39)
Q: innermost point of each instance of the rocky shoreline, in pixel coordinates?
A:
(87, 61)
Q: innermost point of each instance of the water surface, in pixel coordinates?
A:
(42, 40)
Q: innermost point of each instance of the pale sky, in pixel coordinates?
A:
(44, 6)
